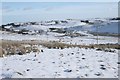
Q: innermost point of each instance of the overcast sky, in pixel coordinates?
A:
(37, 11)
(60, 0)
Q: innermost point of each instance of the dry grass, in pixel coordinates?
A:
(1, 52)
(15, 47)
(55, 45)
(9, 47)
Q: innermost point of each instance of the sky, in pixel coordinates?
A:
(38, 11)
(59, 0)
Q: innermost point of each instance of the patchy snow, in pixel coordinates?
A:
(62, 63)
(81, 24)
(51, 36)
(86, 40)
(84, 33)
(8, 27)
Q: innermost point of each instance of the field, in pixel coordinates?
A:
(57, 50)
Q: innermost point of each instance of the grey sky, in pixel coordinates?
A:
(36, 11)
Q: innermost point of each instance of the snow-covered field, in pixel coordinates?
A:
(51, 36)
(61, 63)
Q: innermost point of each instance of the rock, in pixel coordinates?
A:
(19, 73)
(19, 53)
(68, 65)
(64, 63)
(83, 58)
(77, 53)
(77, 57)
(86, 75)
(77, 70)
(61, 55)
(103, 68)
(35, 59)
(28, 70)
(98, 74)
(41, 50)
(39, 62)
(86, 48)
(118, 62)
(100, 60)
(53, 62)
(72, 53)
(83, 54)
(99, 49)
(102, 65)
(67, 70)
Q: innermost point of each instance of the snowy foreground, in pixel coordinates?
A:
(61, 63)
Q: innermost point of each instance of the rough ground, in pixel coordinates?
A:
(61, 63)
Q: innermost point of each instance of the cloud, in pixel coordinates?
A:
(7, 9)
(81, 11)
(27, 8)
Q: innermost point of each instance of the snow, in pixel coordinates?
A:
(84, 33)
(1, 67)
(114, 21)
(86, 40)
(7, 27)
(61, 63)
(80, 24)
(52, 36)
